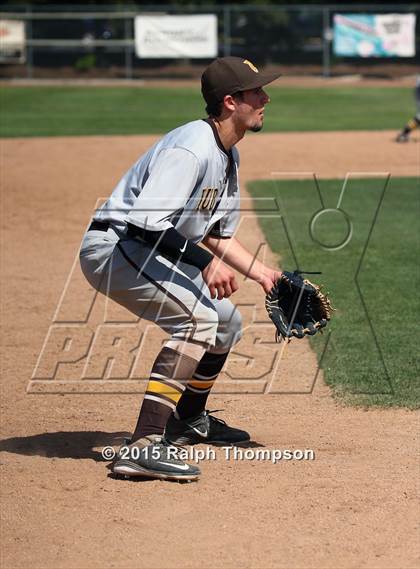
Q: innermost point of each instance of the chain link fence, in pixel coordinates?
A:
(70, 41)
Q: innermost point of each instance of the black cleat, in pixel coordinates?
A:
(402, 137)
(203, 428)
(153, 457)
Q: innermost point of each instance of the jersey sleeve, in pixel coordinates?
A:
(172, 179)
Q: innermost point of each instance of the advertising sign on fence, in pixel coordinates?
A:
(374, 35)
(176, 36)
(12, 41)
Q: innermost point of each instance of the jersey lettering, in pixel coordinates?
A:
(208, 198)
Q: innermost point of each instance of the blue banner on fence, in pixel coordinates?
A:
(374, 35)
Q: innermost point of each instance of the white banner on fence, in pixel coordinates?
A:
(12, 41)
(374, 35)
(176, 36)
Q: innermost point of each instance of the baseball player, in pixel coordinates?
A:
(144, 250)
(415, 121)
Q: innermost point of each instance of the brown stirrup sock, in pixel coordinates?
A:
(169, 374)
(194, 398)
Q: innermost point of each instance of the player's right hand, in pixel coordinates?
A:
(220, 279)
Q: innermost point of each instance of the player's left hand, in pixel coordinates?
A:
(268, 278)
(297, 306)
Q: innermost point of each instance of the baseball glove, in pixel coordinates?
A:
(297, 307)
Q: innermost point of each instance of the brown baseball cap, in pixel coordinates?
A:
(228, 75)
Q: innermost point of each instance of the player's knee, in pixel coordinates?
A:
(207, 322)
(201, 327)
(229, 332)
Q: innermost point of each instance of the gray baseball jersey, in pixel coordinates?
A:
(186, 180)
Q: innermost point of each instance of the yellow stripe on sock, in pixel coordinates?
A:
(167, 390)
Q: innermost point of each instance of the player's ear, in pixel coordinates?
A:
(229, 102)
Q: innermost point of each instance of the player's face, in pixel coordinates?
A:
(250, 108)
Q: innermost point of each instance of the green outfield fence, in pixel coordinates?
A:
(74, 41)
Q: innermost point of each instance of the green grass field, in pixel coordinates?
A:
(70, 111)
(371, 356)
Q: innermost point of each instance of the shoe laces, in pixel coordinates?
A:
(209, 414)
(165, 443)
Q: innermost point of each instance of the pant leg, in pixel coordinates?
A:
(197, 390)
(178, 300)
(153, 288)
(150, 286)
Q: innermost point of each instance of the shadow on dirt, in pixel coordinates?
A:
(73, 444)
(64, 444)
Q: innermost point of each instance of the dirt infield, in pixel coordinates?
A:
(353, 506)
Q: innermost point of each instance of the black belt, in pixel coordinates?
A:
(99, 226)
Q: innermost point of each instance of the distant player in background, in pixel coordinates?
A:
(415, 121)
